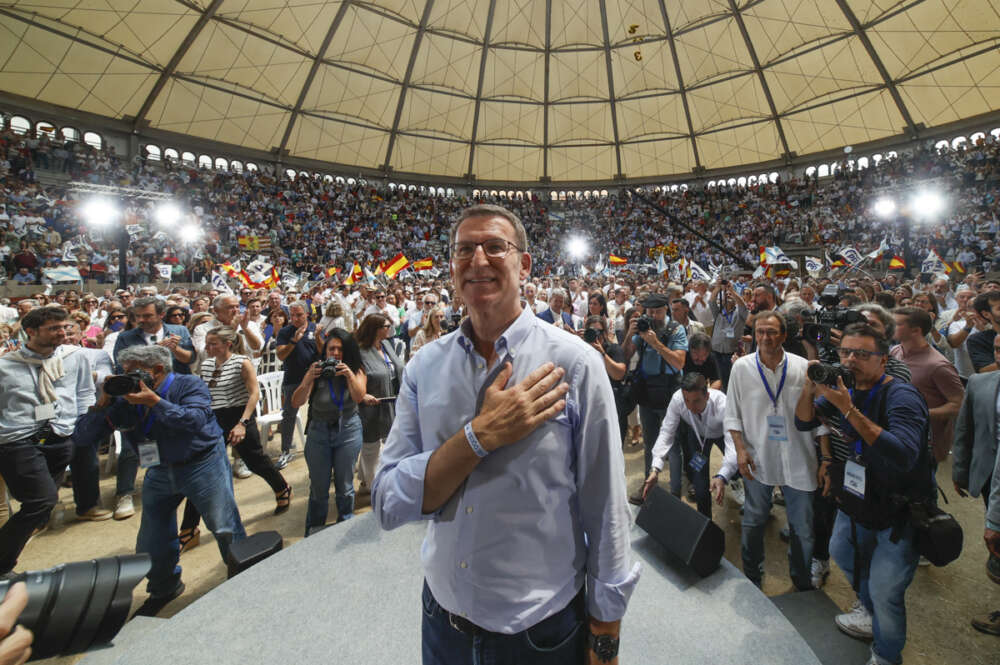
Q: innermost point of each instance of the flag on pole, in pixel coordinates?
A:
(851, 255)
(380, 268)
(254, 243)
(395, 265)
(813, 265)
(354, 276)
(617, 260)
(423, 264)
(61, 274)
(897, 263)
(332, 270)
(838, 263)
(164, 270)
(959, 267)
(878, 252)
(68, 255)
(933, 263)
(697, 272)
(661, 264)
(369, 277)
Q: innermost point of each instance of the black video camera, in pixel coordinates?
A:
(117, 385)
(827, 375)
(829, 317)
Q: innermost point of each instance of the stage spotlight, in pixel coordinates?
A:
(577, 248)
(885, 207)
(927, 204)
(167, 214)
(99, 212)
(189, 233)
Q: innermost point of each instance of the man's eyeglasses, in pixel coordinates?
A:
(862, 354)
(494, 248)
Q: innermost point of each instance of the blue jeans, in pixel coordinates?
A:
(557, 640)
(288, 415)
(208, 484)
(756, 509)
(887, 570)
(330, 448)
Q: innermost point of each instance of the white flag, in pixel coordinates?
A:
(219, 283)
(165, 270)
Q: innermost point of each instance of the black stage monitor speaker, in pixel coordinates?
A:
(682, 531)
(253, 549)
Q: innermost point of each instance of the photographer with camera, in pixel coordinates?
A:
(889, 470)
(181, 447)
(42, 393)
(661, 346)
(597, 334)
(730, 316)
(704, 410)
(333, 387)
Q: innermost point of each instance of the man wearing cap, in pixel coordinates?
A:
(662, 350)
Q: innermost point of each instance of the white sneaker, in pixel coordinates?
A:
(924, 562)
(240, 469)
(736, 492)
(857, 622)
(820, 571)
(283, 460)
(123, 507)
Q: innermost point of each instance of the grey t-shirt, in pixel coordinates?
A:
(323, 405)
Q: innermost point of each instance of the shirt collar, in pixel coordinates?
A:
(509, 341)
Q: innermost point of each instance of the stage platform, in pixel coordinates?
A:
(351, 594)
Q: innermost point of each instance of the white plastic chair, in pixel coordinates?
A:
(114, 450)
(269, 406)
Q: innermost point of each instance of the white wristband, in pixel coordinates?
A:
(474, 442)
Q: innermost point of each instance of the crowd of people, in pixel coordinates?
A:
(173, 380)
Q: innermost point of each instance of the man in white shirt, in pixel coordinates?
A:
(530, 291)
(382, 307)
(764, 388)
(703, 410)
(698, 300)
(578, 298)
(226, 309)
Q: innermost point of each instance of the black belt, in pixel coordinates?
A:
(44, 436)
(463, 625)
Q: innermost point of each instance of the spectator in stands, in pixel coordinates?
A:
(333, 428)
(980, 345)
(226, 308)
(727, 329)
(432, 329)
(556, 313)
(384, 369)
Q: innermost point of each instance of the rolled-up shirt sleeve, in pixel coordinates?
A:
(610, 576)
(398, 488)
(668, 429)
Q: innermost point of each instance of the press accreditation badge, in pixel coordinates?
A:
(149, 454)
(854, 478)
(776, 428)
(730, 333)
(45, 412)
(698, 462)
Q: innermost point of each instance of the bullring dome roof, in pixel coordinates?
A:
(513, 90)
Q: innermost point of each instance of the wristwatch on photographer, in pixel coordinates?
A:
(246, 422)
(605, 646)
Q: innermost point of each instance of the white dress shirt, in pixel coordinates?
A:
(709, 424)
(792, 462)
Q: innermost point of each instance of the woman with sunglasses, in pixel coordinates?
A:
(384, 370)
(431, 329)
(177, 315)
(232, 383)
(116, 322)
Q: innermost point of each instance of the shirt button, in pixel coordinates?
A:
(468, 510)
(464, 565)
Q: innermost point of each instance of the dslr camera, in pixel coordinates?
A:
(827, 375)
(829, 317)
(117, 385)
(589, 335)
(643, 323)
(328, 368)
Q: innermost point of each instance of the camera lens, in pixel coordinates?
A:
(76, 605)
(821, 373)
(589, 335)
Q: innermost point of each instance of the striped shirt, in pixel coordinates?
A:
(226, 385)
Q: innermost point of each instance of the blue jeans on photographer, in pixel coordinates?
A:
(756, 510)
(887, 570)
(207, 482)
(331, 449)
(557, 640)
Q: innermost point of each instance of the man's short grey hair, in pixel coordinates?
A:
(883, 315)
(558, 291)
(148, 356)
(30, 302)
(151, 290)
(301, 304)
(160, 305)
(794, 308)
(221, 298)
(488, 210)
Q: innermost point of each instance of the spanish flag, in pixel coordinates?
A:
(380, 268)
(959, 266)
(423, 264)
(355, 276)
(839, 262)
(897, 263)
(332, 270)
(616, 260)
(396, 264)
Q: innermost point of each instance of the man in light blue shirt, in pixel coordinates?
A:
(506, 441)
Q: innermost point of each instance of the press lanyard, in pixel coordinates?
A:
(388, 361)
(151, 418)
(729, 316)
(858, 443)
(694, 428)
(338, 400)
(784, 373)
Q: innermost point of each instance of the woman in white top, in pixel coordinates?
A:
(430, 330)
(232, 383)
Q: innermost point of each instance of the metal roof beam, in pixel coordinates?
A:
(405, 85)
(546, 104)
(890, 85)
(175, 61)
(760, 77)
(479, 85)
(680, 83)
(611, 88)
(317, 60)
